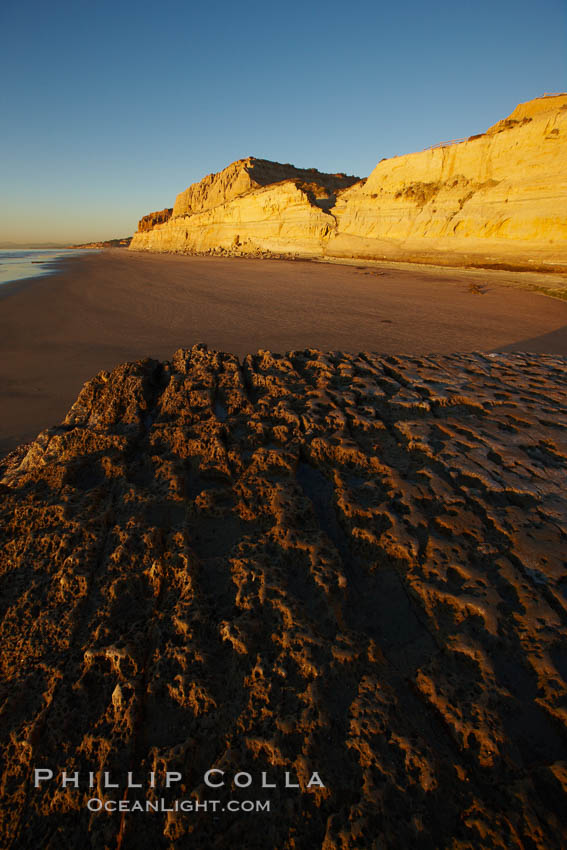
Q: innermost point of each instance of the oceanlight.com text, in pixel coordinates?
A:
(95, 804)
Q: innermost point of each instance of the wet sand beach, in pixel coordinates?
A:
(58, 331)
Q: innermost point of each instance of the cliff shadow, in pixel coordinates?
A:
(554, 342)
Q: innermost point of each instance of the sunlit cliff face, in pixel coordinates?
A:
(499, 195)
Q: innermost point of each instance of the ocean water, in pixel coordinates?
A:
(23, 263)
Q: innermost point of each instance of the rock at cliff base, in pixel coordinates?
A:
(311, 564)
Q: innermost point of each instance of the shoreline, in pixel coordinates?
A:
(98, 310)
(503, 274)
(21, 264)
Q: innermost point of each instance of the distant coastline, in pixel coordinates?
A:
(121, 242)
(31, 246)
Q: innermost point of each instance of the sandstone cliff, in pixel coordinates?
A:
(252, 205)
(249, 174)
(312, 562)
(150, 220)
(500, 196)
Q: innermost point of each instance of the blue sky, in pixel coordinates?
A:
(110, 109)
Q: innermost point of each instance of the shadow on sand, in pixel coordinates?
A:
(554, 342)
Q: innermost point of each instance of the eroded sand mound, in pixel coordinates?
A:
(311, 563)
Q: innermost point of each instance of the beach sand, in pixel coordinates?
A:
(101, 309)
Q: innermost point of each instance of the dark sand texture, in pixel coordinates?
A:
(101, 310)
(350, 565)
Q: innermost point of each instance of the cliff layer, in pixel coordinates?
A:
(501, 195)
(349, 565)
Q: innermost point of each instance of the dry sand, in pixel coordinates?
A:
(99, 310)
